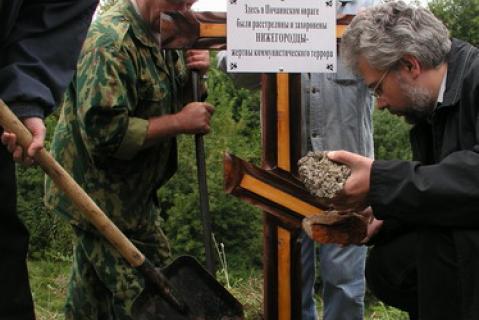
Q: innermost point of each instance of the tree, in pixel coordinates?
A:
(460, 16)
(391, 137)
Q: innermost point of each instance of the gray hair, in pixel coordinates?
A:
(383, 34)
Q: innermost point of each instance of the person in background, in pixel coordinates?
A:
(39, 46)
(116, 135)
(425, 258)
(336, 114)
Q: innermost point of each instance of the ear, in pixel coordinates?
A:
(411, 65)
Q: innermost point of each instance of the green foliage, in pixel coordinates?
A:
(48, 281)
(460, 16)
(235, 224)
(391, 137)
(379, 311)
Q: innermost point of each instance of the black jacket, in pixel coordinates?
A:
(39, 45)
(438, 193)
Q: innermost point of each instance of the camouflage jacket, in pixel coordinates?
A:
(122, 79)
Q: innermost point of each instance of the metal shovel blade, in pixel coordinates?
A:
(204, 297)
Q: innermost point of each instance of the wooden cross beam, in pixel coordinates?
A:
(274, 188)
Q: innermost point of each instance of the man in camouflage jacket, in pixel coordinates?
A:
(116, 136)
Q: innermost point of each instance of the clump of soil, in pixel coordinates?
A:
(322, 177)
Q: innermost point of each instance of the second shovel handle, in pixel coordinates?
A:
(73, 191)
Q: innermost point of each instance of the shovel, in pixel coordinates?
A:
(183, 290)
(203, 187)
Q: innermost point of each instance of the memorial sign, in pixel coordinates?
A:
(271, 36)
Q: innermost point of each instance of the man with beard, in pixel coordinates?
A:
(426, 227)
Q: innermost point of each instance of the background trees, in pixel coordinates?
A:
(460, 16)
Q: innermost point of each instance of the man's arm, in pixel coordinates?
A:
(40, 43)
(108, 98)
(441, 195)
(194, 118)
(39, 55)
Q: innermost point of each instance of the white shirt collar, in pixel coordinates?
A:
(442, 89)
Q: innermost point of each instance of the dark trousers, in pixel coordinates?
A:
(417, 272)
(15, 297)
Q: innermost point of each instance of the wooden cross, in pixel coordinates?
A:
(274, 187)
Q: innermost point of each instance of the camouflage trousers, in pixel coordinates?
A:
(102, 284)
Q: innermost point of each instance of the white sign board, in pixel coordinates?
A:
(281, 36)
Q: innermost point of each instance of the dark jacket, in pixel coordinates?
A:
(438, 193)
(39, 45)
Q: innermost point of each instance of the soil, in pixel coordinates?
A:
(322, 177)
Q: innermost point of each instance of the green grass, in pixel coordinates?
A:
(49, 282)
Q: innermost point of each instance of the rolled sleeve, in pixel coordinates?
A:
(133, 140)
(107, 100)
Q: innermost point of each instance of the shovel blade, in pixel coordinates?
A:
(205, 298)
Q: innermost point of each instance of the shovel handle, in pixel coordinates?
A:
(204, 202)
(74, 192)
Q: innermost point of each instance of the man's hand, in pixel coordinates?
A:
(38, 130)
(195, 118)
(198, 60)
(356, 188)
(373, 228)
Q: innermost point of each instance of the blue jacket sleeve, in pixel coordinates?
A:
(40, 41)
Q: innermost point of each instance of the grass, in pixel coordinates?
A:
(49, 282)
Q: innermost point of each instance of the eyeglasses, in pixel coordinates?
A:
(377, 91)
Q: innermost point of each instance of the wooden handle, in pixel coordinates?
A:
(73, 191)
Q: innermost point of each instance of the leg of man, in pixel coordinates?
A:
(308, 263)
(417, 272)
(391, 272)
(103, 285)
(344, 285)
(439, 284)
(87, 297)
(15, 297)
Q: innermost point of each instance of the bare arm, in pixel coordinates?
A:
(194, 118)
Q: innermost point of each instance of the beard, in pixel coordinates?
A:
(421, 102)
